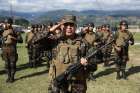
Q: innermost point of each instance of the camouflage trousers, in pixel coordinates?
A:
(106, 54)
(36, 55)
(121, 58)
(10, 57)
(30, 55)
(121, 61)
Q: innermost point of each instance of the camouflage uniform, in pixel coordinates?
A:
(91, 38)
(69, 51)
(36, 48)
(9, 54)
(29, 45)
(122, 42)
(107, 37)
(100, 37)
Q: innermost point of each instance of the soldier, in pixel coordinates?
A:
(70, 49)
(9, 54)
(123, 38)
(36, 47)
(29, 45)
(1, 31)
(99, 32)
(107, 37)
(91, 40)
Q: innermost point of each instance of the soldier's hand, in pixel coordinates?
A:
(85, 28)
(61, 22)
(130, 42)
(95, 43)
(84, 62)
(118, 48)
(52, 29)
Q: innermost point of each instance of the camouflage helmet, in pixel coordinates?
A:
(91, 24)
(32, 25)
(69, 19)
(103, 26)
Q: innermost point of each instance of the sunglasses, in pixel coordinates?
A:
(124, 24)
(69, 24)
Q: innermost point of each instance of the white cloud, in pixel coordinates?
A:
(46, 5)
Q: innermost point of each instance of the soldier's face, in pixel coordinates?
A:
(69, 29)
(6, 25)
(123, 27)
(103, 29)
(90, 28)
(107, 28)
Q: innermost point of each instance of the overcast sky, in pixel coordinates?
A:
(47, 5)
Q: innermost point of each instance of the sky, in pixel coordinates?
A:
(79, 5)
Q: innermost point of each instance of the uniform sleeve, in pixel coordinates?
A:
(131, 38)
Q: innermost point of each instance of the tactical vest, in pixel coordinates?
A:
(6, 36)
(68, 51)
(122, 37)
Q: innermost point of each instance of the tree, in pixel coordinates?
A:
(22, 22)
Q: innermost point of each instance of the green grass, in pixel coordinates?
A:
(137, 36)
(35, 80)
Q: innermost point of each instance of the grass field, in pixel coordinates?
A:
(35, 80)
(137, 36)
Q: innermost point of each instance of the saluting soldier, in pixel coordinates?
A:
(70, 49)
(9, 49)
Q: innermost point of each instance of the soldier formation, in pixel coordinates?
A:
(63, 47)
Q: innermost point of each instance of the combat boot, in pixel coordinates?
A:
(31, 64)
(12, 79)
(118, 75)
(9, 76)
(50, 89)
(124, 75)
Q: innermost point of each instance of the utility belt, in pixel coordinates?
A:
(77, 81)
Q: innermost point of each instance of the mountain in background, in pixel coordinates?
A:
(97, 16)
(28, 16)
(59, 13)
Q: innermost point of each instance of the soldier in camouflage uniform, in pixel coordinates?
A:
(107, 37)
(1, 31)
(29, 45)
(70, 49)
(36, 47)
(9, 54)
(123, 38)
(91, 40)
